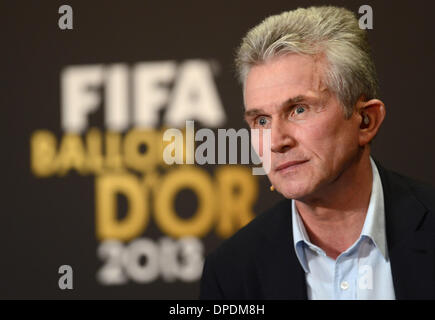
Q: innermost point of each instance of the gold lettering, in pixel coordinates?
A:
(113, 161)
(237, 192)
(94, 159)
(134, 158)
(71, 154)
(166, 217)
(43, 153)
(136, 220)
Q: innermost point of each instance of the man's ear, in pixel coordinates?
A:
(372, 114)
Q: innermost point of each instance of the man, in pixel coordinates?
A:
(349, 229)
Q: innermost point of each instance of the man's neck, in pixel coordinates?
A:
(334, 220)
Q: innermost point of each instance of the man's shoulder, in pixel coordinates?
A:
(423, 191)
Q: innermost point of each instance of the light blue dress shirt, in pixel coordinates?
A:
(363, 271)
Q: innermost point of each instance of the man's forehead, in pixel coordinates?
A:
(282, 78)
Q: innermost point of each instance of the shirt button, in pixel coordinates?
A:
(344, 285)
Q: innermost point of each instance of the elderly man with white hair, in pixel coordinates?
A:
(348, 228)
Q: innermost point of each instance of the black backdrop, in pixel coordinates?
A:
(50, 221)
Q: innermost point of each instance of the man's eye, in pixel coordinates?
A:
(262, 121)
(299, 109)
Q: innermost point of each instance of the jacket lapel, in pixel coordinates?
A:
(282, 276)
(411, 248)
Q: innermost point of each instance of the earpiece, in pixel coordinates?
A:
(366, 119)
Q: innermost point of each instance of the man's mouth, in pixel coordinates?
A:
(289, 165)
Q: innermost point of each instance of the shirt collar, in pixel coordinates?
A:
(374, 224)
(373, 228)
(300, 237)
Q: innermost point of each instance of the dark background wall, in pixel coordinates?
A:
(48, 222)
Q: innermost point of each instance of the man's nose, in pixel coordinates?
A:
(281, 137)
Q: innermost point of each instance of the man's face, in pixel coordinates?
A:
(311, 141)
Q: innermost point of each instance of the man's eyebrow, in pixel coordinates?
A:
(292, 100)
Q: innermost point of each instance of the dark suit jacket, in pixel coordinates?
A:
(259, 261)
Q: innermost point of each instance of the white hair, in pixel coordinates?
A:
(316, 31)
